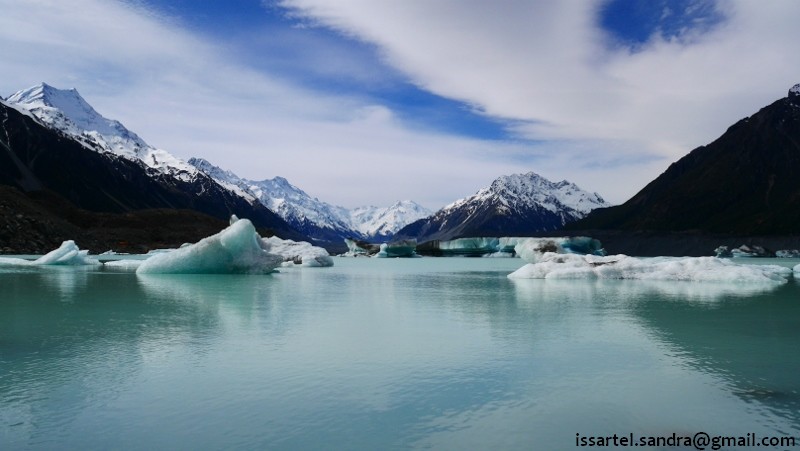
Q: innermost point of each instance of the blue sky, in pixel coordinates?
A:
(364, 102)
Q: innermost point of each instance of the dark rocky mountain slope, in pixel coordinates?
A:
(747, 182)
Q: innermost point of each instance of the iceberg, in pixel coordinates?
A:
(402, 248)
(743, 251)
(474, 247)
(788, 253)
(510, 246)
(615, 291)
(237, 249)
(297, 252)
(123, 265)
(698, 269)
(68, 254)
(530, 249)
(357, 248)
(723, 252)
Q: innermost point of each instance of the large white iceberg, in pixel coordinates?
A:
(68, 254)
(297, 252)
(706, 269)
(237, 249)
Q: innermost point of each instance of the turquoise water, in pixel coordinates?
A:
(387, 354)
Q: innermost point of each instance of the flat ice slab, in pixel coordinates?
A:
(698, 269)
(68, 254)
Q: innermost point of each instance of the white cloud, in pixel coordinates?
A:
(549, 63)
(609, 113)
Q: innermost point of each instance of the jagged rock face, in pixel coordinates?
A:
(35, 154)
(745, 182)
(515, 205)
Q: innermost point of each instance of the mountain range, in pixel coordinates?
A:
(320, 220)
(513, 205)
(69, 170)
(55, 141)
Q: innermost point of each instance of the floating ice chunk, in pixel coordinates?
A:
(356, 248)
(707, 269)
(475, 246)
(511, 246)
(162, 251)
(68, 254)
(123, 265)
(622, 291)
(499, 255)
(297, 252)
(11, 261)
(235, 250)
(723, 252)
(796, 269)
(402, 248)
(531, 249)
(788, 253)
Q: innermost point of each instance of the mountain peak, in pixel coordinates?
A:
(794, 94)
(65, 109)
(66, 100)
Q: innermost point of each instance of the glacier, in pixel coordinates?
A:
(238, 249)
(68, 254)
(550, 265)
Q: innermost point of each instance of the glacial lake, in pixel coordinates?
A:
(388, 354)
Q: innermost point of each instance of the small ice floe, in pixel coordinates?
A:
(510, 246)
(743, 251)
(68, 254)
(697, 269)
(297, 252)
(357, 248)
(395, 249)
(123, 265)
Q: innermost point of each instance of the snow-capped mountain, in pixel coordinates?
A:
(512, 205)
(53, 139)
(385, 222)
(320, 220)
(66, 111)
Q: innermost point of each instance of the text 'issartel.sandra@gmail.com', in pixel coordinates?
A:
(699, 441)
